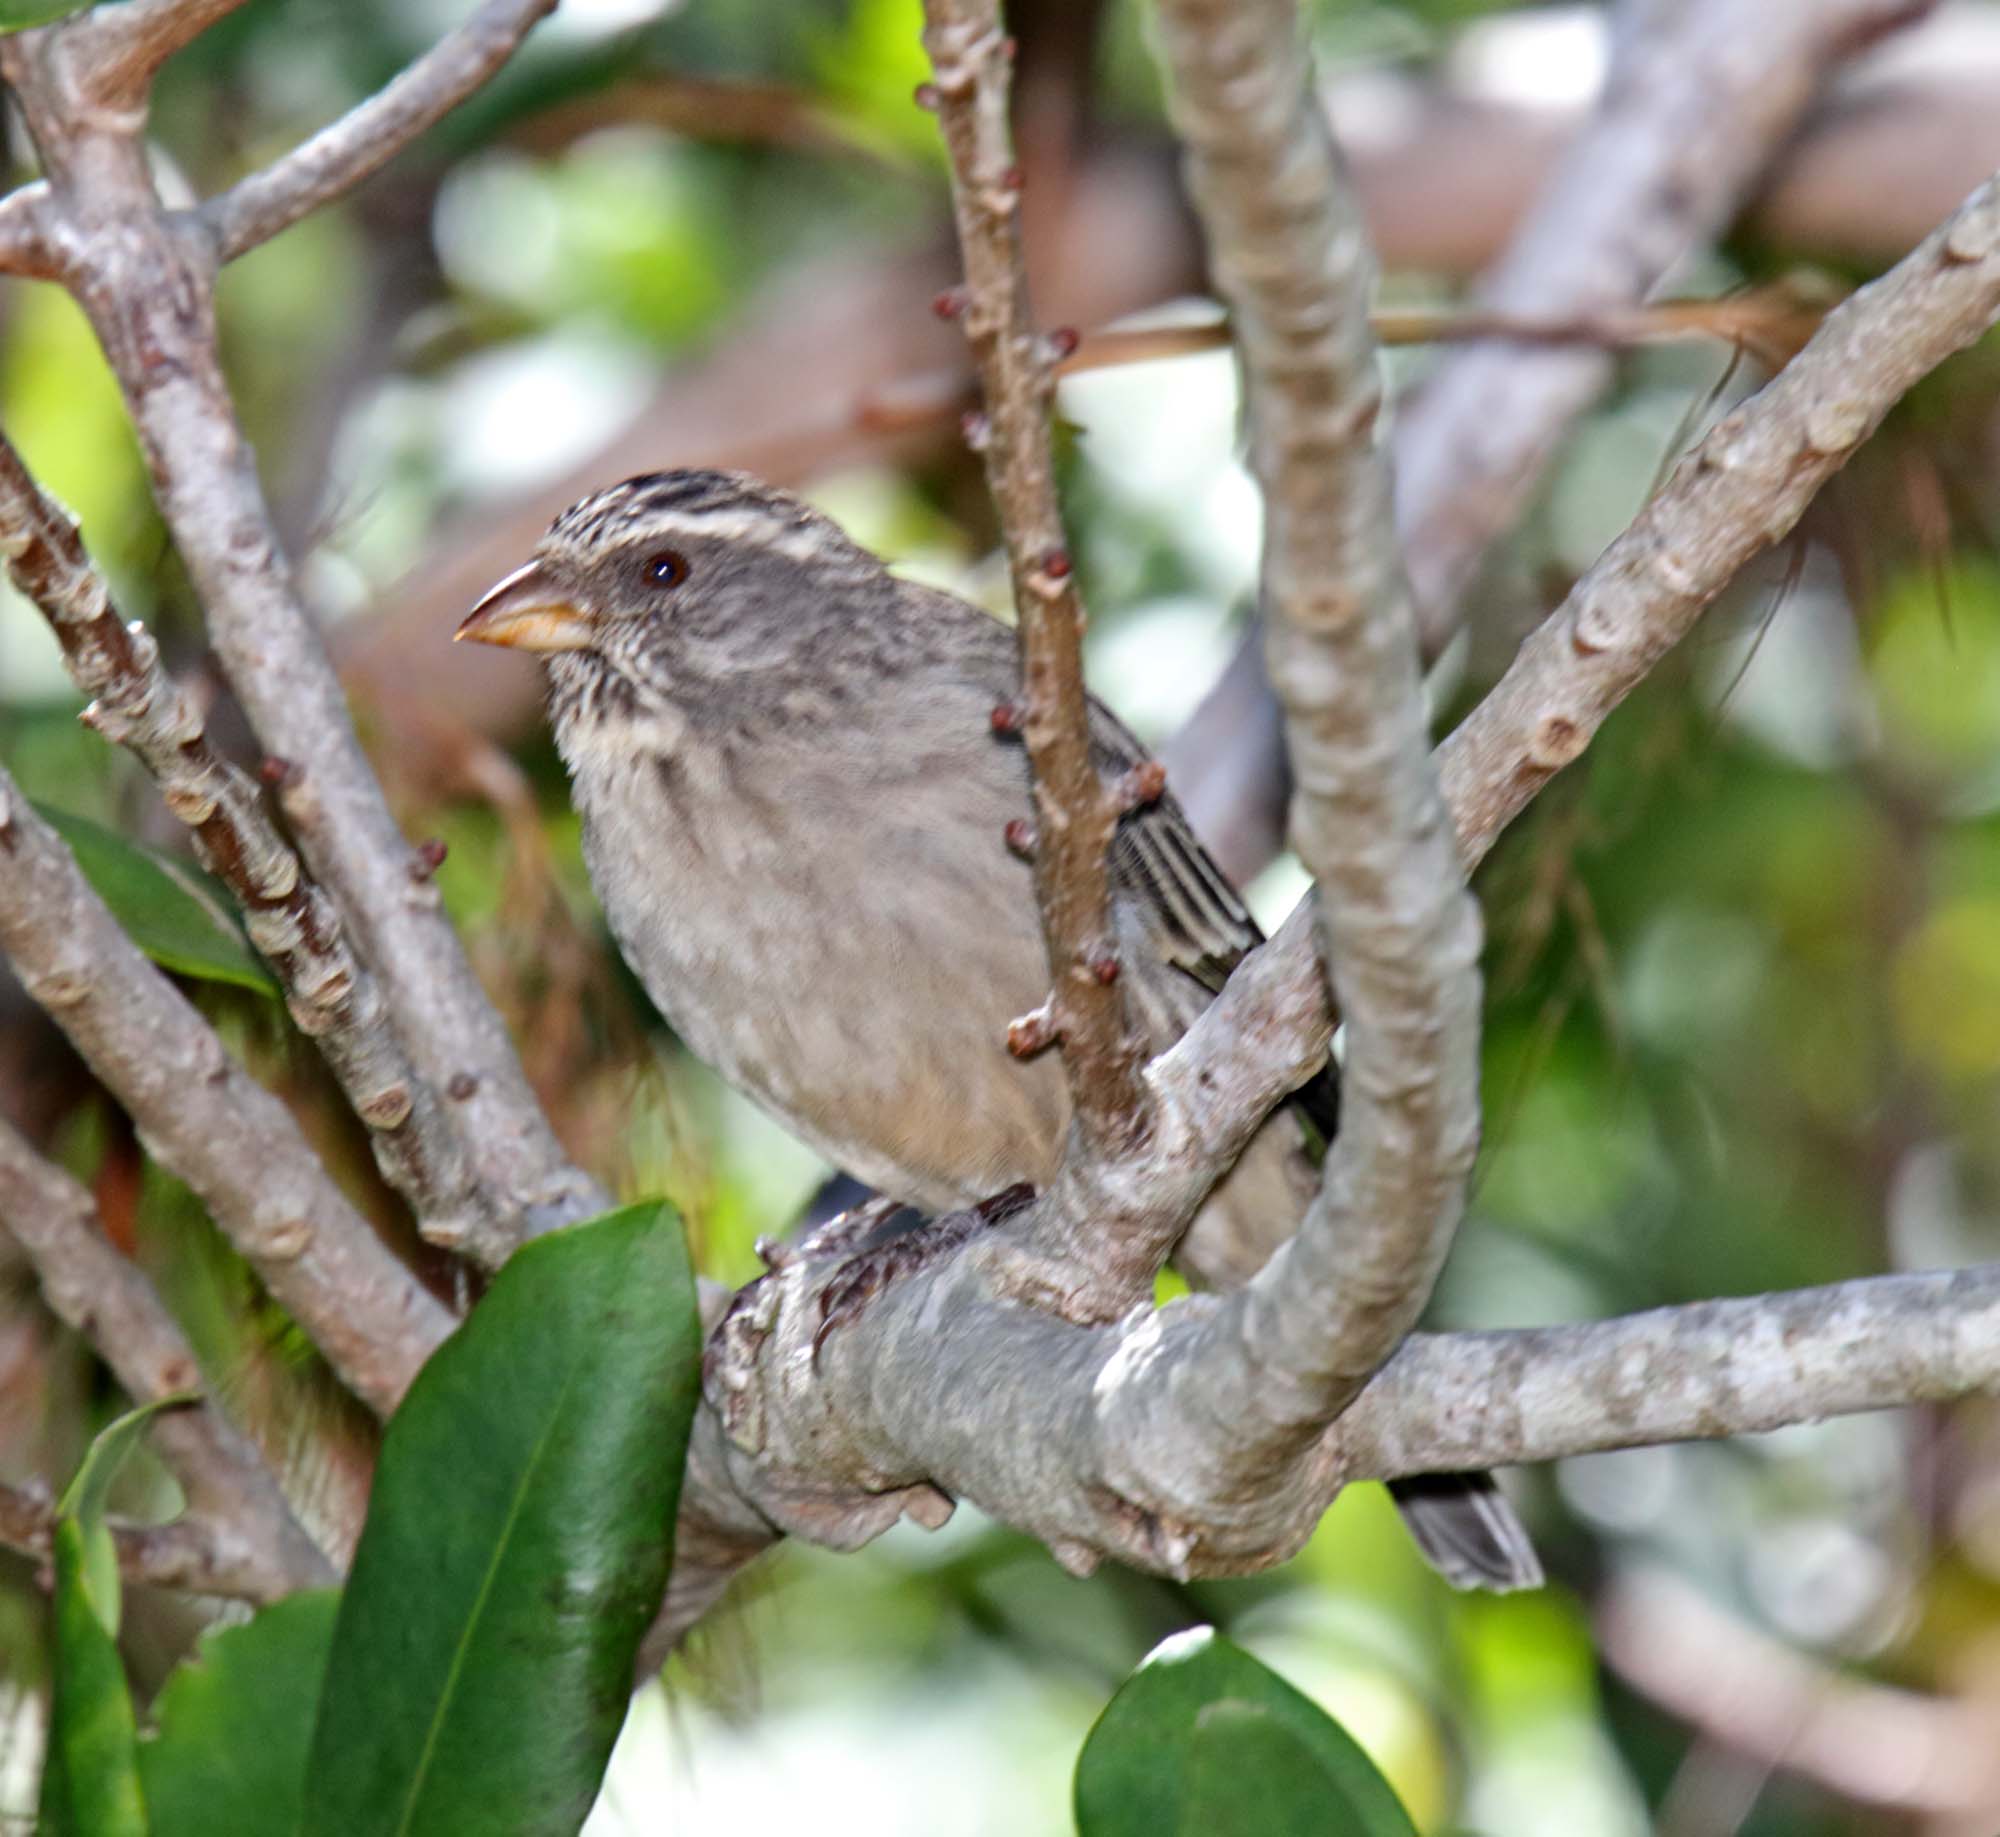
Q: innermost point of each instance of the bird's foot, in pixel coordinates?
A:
(877, 1246)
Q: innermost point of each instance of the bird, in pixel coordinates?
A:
(795, 802)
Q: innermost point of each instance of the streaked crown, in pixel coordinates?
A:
(701, 505)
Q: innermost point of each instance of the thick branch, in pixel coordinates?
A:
(198, 1113)
(366, 138)
(332, 997)
(1075, 815)
(1122, 1440)
(1398, 931)
(203, 1555)
(1689, 1373)
(1741, 489)
(147, 281)
(88, 1284)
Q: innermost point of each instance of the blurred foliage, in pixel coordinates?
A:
(1743, 975)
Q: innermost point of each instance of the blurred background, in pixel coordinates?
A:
(1743, 979)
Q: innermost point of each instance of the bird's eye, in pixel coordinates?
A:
(666, 569)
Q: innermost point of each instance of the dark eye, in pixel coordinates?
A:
(666, 569)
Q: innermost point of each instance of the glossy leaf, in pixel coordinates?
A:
(176, 914)
(15, 15)
(1204, 1741)
(90, 1781)
(516, 1547)
(234, 1725)
(83, 1500)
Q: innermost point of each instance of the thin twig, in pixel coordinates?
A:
(200, 1554)
(1075, 816)
(1771, 323)
(95, 1290)
(1768, 323)
(367, 137)
(1399, 934)
(199, 1114)
(332, 997)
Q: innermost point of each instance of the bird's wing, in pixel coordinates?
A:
(1204, 927)
(1201, 923)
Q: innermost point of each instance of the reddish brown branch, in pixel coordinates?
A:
(1075, 817)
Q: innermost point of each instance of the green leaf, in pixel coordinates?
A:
(516, 1548)
(176, 914)
(234, 1725)
(83, 1501)
(1203, 1741)
(90, 1782)
(15, 15)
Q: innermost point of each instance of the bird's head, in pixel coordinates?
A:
(672, 584)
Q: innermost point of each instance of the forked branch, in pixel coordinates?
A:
(198, 1114)
(368, 137)
(331, 995)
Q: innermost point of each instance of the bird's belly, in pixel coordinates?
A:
(859, 990)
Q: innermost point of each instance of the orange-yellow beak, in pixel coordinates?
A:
(527, 612)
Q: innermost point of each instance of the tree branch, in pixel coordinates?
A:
(1398, 932)
(1075, 814)
(118, 50)
(98, 1293)
(1933, 1756)
(366, 138)
(198, 1113)
(1124, 1440)
(1742, 488)
(146, 279)
(202, 1555)
(24, 235)
(1691, 1373)
(1691, 112)
(332, 997)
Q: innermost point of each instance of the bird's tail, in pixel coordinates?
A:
(1467, 1530)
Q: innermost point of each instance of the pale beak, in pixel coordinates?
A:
(528, 612)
